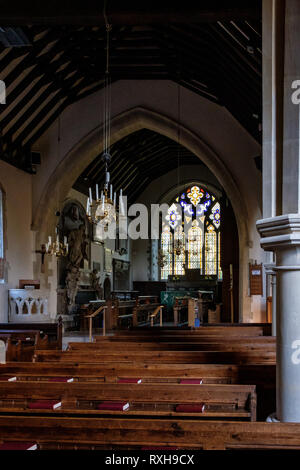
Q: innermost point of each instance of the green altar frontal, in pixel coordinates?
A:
(167, 297)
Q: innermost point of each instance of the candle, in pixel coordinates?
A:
(97, 192)
(49, 238)
(110, 196)
(121, 204)
(115, 196)
(90, 193)
(65, 240)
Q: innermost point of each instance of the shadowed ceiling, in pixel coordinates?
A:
(59, 58)
(137, 160)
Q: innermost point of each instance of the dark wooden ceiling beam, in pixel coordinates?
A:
(90, 12)
(52, 88)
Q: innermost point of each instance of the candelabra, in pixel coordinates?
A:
(57, 247)
(104, 209)
(161, 261)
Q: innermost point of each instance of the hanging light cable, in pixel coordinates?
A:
(56, 247)
(104, 210)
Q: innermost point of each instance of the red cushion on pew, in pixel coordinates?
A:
(113, 405)
(44, 405)
(7, 378)
(191, 381)
(11, 445)
(60, 379)
(191, 408)
(129, 381)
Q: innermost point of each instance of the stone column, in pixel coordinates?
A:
(282, 234)
(272, 274)
(280, 228)
(274, 303)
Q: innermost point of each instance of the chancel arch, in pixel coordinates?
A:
(86, 150)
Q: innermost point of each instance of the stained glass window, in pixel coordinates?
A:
(200, 223)
(166, 247)
(179, 252)
(210, 251)
(220, 273)
(195, 246)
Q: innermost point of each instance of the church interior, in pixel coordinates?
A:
(149, 225)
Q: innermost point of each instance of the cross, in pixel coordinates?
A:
(42, 251)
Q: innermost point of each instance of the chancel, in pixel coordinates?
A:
(149, 225)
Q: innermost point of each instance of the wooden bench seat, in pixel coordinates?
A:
(182, 357)
(176, 346)
(183, 339)
(210, 373)
(53, 331)
(238, 330)
(121, 433)
(224, 401)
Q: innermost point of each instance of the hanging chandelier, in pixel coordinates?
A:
(161, 258)
(178, 247)
(57, 248)
(103, 210)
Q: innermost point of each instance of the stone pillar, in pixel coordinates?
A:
(272, 276)
(280, 228)
(282, 234)
(274, 303)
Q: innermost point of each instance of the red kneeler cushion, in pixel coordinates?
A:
(11, 445)
(113, 406)
(191, 381)
(191, 408)
(42, 404)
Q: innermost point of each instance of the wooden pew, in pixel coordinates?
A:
(172, 373)
(21, 344)
(217, 345)
(221, 401)
(215, 330)
(56, 433)
(167, 357)
(18, 349)
(184, 339)
(263, 376)
(144, 308)
(53, 331)
(180, 310)
(121, 312)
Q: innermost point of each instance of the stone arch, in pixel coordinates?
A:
(83, 153)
